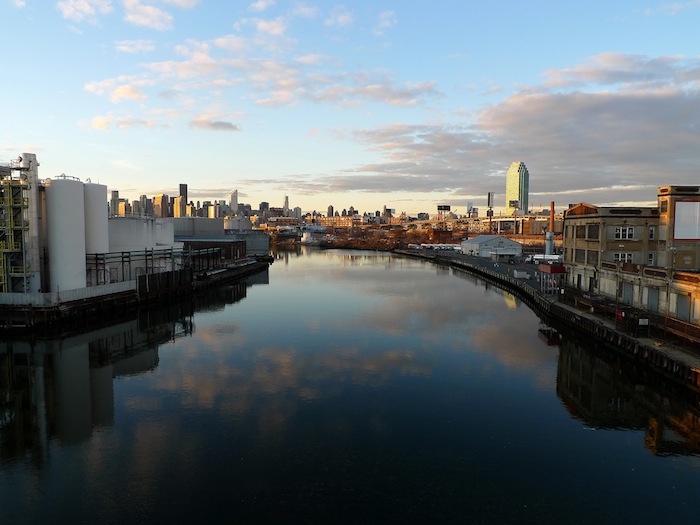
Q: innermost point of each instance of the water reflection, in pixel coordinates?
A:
(607, 391)
(353, 388)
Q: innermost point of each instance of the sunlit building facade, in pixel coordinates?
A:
(517, 188)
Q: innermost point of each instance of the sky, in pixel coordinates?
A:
(407, 105)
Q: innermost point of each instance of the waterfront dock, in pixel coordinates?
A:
(51, 313)
(675, 357)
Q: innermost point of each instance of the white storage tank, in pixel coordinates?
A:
(65, 221)
(96, 218)
(128, 234)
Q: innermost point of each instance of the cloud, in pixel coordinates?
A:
(275, 27)
(304, 11)
(625, 71)
(147, 15)
(135, 46)
(105, 122)
(84, 10)
(182, 3)
(211, 123)
(347, 89)
(120, 88)
(126, 92)
(674, 8)
(385, 20)
(311, 59)
(232, 43)
(339, 17)
(580, 142)
(261, 5)
(20, 4)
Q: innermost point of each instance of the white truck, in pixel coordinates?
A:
(541, 258)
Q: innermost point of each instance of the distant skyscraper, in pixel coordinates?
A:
(330, 211)
(286, 206)
(233, 201)
(183, 193)
(114, 203)
(160, 205)
(179, 207)
(517, 188)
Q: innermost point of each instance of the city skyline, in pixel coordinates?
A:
(363, 104)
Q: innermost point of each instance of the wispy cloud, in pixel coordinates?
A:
(673, 8)
(580, 143)
(385, 20)
(275, 27)
(304, 11)
(340, 17)
(261, 5)
(214, 123)
(135, 46)
(119, 88)
(144, 15)
(83, 10)
(105, 122)
(182, 3)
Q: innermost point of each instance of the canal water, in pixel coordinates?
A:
(341, 387)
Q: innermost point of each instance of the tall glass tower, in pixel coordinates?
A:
(517, 188)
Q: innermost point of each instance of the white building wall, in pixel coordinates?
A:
(128, 234)
(96, 218)
(65, 220)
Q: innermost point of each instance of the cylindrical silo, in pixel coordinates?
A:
(65, 220)
(96, 218)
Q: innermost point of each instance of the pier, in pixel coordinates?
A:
(64, 312)
(676, 359)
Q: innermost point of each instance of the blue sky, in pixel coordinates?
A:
(364, 104)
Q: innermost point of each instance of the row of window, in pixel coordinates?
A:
(591, 257)
(592, 232)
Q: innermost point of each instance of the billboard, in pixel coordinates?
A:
(686, 226)
(489, 200)
(443, 207)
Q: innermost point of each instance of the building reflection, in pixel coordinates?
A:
(64, 389)
(605, 390)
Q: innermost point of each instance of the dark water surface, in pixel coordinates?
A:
(342, 387)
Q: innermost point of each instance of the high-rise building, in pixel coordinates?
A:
(517, 188)
(183, 193)
(179, 207)
(233, 202)
(114, 203)
(285, 208)
(160, 205)
(330, 211)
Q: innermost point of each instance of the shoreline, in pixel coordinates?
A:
(674, 361)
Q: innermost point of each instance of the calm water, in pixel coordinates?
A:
(341, 387)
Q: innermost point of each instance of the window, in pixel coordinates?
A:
(623, 257)
(593, 232)
(664, 206)
(580, 256)
(592, 257)
(580, 232)
(652, 233)
(650, 259)
(624, 232)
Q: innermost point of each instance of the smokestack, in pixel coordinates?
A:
(551, 216)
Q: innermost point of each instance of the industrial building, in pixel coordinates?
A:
(642, 257)
(59, 246)
(493, 246)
